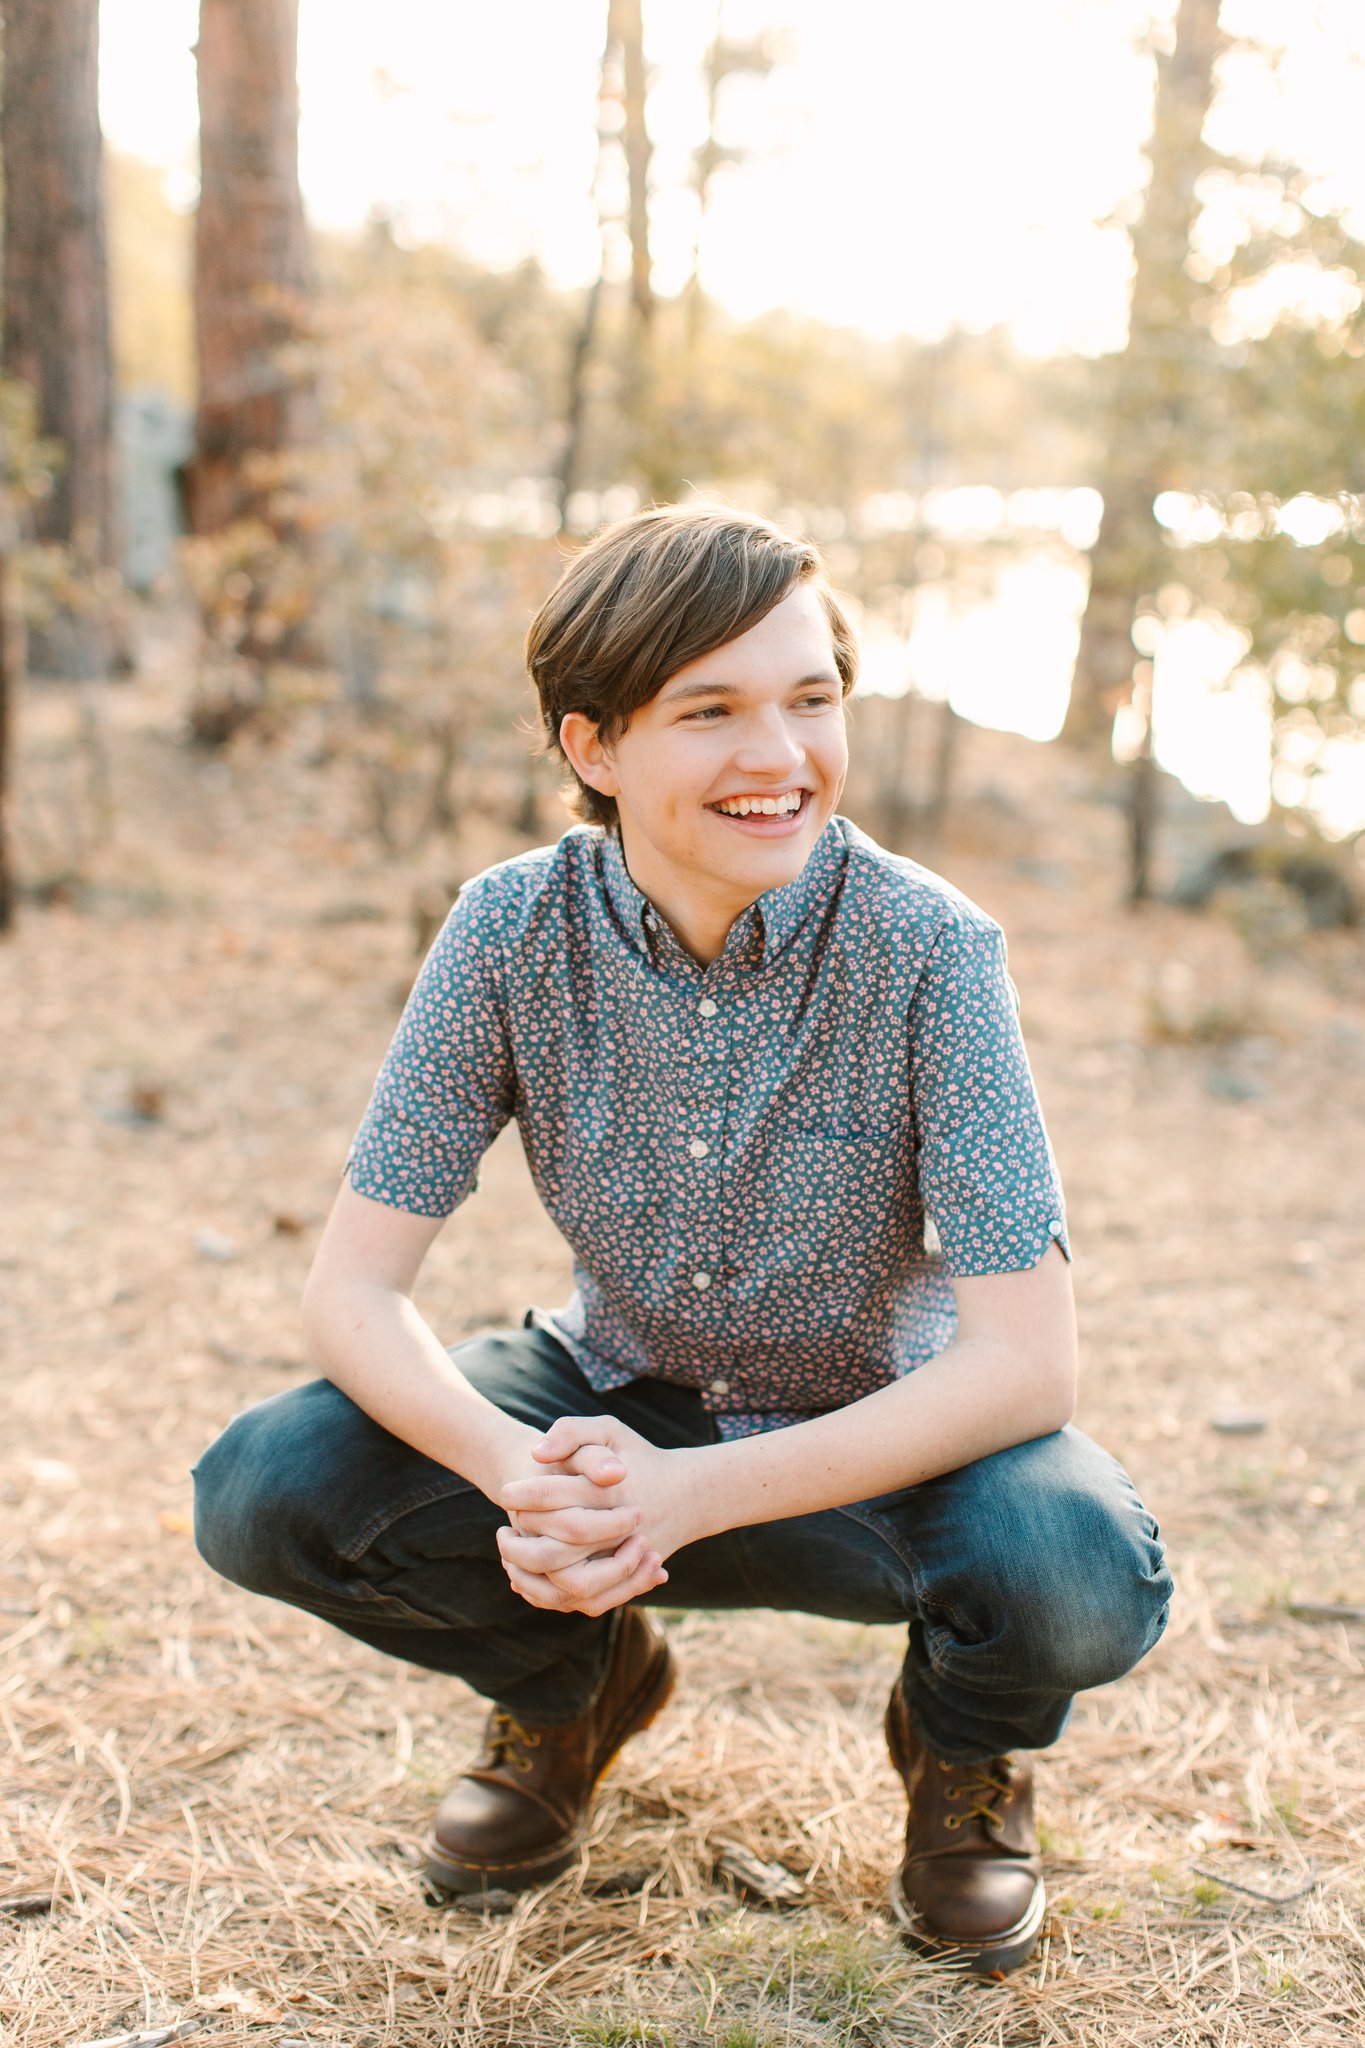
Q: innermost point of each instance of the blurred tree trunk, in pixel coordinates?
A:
(652, 450)
(576, 407)
(55, 292)
(941, 777)
(11, 674)
(1153, 385)
(624, 83)
(585, 336)
(726, 57)
(252, 275)
(1143, 796)
(628, 31)
(891, 757)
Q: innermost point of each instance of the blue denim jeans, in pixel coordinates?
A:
(1022, 1578)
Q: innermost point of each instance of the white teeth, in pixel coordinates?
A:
(765, 806)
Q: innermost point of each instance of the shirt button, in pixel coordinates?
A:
(720, 1386)
(651, 921)
(1054, 1224)
(701, 1281)
(706, 1008)
(698, 1147)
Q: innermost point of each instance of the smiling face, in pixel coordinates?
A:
(725, 780)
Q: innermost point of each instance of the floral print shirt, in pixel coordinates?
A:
(769, 1169)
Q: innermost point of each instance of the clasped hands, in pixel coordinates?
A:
(590, 1528)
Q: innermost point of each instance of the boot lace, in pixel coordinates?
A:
(508, 1741)
(982, 1786)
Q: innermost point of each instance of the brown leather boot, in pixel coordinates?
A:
(518, 1814)
(970, 1890)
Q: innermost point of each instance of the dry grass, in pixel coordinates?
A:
(224, 1797)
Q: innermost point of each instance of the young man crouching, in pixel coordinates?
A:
(821, 1351)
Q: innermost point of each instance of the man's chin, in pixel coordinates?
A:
(771, 863)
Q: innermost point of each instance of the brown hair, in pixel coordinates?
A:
(648, 596)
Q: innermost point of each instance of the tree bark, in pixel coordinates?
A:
(1151, 394)
(627, 29)
(585, 335)
(55, 278)
(576, 405)
(252, 275)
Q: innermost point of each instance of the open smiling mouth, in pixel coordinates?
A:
(769, 816)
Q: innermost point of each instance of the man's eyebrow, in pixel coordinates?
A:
(686, 691)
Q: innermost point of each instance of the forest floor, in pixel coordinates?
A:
(217, 1801)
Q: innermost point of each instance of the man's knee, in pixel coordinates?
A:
(273, 1484)
(1073, 1589)
(1101, 1608)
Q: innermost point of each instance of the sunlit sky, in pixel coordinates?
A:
(910, 164)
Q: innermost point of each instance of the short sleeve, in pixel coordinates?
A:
(447, 1084)
(987, 1176)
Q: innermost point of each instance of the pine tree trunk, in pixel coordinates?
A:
(1146, 414)
(585, 335)
(252, 274)
(55, 283)
(628, 26)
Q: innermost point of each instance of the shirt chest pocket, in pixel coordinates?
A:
(830, 1201)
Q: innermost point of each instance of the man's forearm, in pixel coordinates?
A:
(372, 1343)
(974, 1399)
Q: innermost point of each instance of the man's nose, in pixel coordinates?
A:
(769, 744)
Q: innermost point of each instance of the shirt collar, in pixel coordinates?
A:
(793, 908)
(629, 903)
(782, 913)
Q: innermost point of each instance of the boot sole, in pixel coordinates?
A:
(447, 1874)
(1008, 1950)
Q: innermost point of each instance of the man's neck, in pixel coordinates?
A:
(699, 919)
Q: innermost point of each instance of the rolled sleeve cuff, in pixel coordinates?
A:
(980, 1240)
(404, 1170)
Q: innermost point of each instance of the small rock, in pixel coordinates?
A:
(54, 1472)
(212, 1244)
(1231, 1087)
(1050, 873)
(1240, 1421)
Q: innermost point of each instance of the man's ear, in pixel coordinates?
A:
(588, 754)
